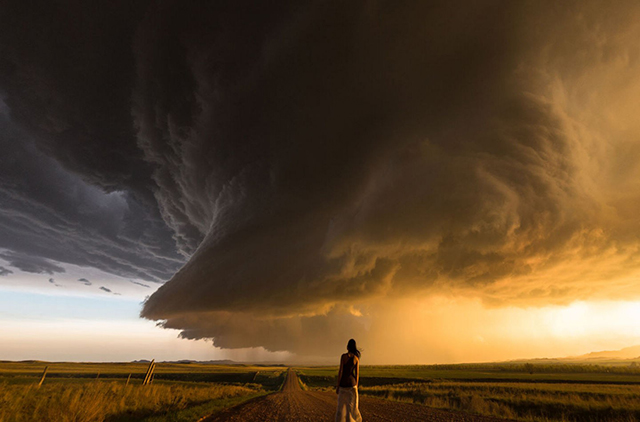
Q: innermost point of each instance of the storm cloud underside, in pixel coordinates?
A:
(317, 162)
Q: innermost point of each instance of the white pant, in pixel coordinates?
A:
(348, 405)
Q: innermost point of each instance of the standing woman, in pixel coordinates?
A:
(347, 388)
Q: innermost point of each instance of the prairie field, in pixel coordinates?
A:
(100, 391)
(198, 372)
(186, 392)
(522, 401)
(529, 392)
(574, 373)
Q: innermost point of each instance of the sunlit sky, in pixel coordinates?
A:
(42, 321)
(442, 181)
(66, 324)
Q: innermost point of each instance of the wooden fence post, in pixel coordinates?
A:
(44, 374)
(152, 374)
(149, 375)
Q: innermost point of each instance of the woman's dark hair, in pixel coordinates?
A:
(351, 347)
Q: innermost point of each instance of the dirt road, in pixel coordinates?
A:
(292, 404)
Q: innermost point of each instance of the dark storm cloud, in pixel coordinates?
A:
(53, 281)
(50, 213)
(343, 154)
(312, 156)
(31, 264)
(4, 271)
(84, 281)
(140, 284)
(301, 334)
(73, 185)
(66, 70)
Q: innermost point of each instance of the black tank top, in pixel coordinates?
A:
(349, 372)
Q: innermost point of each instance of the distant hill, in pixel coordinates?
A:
(211, 362)
(626, 353)
(600, 358)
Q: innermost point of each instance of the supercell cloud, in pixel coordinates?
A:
(314, 161)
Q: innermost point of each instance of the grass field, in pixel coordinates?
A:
(99, 391)
(552, 392)
(197, 372)
(523, 401)
(376, 375)
(185, 392)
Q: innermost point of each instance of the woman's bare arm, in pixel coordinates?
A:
(357, 372)
(339, 374)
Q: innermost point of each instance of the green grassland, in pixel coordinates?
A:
(540, 391)
(321, 376)
(100, 392)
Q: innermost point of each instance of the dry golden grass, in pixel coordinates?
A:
(524, 401)
(97, 401)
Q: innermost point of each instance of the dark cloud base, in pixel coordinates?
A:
(31, 264)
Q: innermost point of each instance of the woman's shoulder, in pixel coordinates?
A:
(350, 356)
